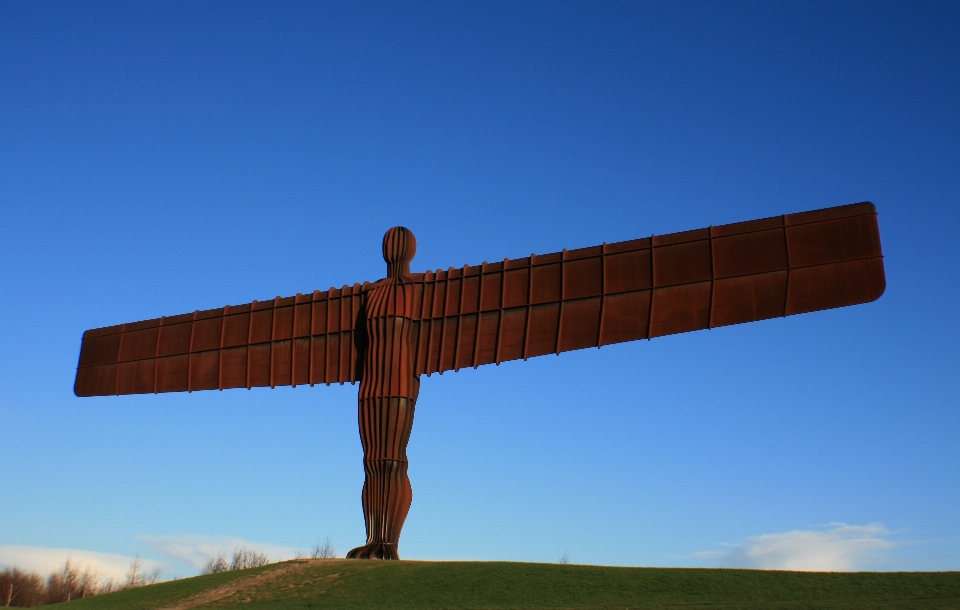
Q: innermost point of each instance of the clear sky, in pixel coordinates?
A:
(157, 158)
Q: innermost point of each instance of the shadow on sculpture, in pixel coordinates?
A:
(388, 333)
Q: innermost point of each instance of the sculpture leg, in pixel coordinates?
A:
(385, 425)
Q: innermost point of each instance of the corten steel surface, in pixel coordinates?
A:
(386, 334)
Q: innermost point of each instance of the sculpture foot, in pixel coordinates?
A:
(374, 550)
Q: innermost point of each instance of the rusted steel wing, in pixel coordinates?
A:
(306, 339)
(649, 287)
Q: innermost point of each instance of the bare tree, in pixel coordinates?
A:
(135, 574)
(216, 564)
(565, 558)
(244, 558)
(324, 551)
(65, 584)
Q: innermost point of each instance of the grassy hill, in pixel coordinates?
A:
(338, 583)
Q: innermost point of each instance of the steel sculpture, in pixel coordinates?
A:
(387, 333)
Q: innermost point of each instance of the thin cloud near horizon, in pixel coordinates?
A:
(197, 550)
(839, 547)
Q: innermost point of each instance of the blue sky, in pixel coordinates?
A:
(157, 158)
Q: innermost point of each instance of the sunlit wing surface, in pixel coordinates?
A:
(649, 287)
(306, 339)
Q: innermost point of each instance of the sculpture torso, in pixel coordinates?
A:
(388, 361)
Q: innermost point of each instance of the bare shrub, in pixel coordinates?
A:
(244, 558)
(135, 574)
(64, 585)
(565, 558)
(324, 551)
(216, 564)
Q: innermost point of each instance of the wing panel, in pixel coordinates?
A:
(512, 330)
(541, 336)
(628, 271)
(833, 240)
(471, 294)
(452, 299)
(516, 287)
(583, 278)
(135, 377)
(174, 339)
(300, 363)
(97, 380)
(448, 343)
(258, 365)
(580, 324)
(491, 283)
(318, 359)
(233, 367)
(749, 298)
(747, 253)
(547, 283)
(99, 350)
(835, 285)
(283, 323)
(280, 361)
(486, 348)
(680, 309)
(172, 374)
(204, 370)
(681, 263)
(626, 317)
(139, 344)
(466, 338)
(236, 328)
(206, 335)
(333, 357)
(261, 326)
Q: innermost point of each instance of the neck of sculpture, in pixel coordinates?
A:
(398, 271)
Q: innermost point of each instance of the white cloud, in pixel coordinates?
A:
(838, 547)
(45, 561)
(198, 550)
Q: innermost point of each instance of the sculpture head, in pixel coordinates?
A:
(399, 248)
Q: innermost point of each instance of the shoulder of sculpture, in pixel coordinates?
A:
(379, 284)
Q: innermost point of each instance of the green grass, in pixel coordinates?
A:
(434, 585)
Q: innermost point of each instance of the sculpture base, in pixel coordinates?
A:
(375, 550)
